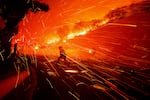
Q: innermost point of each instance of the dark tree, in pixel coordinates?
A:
(11, 13)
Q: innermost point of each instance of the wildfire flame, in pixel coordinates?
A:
(70, 35)
(73, 35)
(54, 40)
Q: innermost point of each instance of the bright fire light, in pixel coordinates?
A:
(82, 33)
(36, 47)
(73, 35)
(90, 51)
(54, 40)
(104, 22)
(64, 41)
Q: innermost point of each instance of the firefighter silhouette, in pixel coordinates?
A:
(62, 53)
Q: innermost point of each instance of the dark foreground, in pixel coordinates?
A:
(82, 80)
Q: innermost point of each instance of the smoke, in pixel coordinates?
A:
(125, 11)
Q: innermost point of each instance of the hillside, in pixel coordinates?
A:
(125, 41)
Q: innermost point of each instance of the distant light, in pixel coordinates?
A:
(71, 71)
(36, 47)
(64, 41)
(90, 51)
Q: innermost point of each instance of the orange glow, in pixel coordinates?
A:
(36, 47)
(54, 40)
(64, 41)
(8, 84)
(90, 51)
(103, 22)
(82, 33)
(38, 28)
(73, 35)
